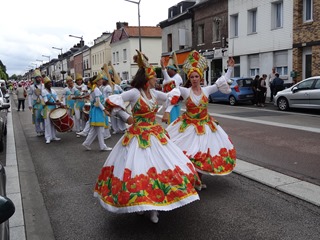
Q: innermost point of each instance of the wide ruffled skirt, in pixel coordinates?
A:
(133, 179)
(211, 153)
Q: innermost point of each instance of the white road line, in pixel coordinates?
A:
(302, 128)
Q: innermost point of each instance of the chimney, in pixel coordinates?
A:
(122, 24)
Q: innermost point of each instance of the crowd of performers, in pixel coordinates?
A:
(150, 169)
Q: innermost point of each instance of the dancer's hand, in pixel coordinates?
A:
(230, 62)
(165, 117)
(130, 120)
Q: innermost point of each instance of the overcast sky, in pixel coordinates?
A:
(29, 29)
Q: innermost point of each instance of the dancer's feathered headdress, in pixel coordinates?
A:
(173, 62)
(106, 75)
(142, 61)
(116, 77)
(195, 63)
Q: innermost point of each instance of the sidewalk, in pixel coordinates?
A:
(18, 175)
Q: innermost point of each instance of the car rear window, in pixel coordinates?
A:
(245, 82)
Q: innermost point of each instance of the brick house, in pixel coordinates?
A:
(306, 39)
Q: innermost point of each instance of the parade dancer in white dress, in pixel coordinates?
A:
(145, 171)
(195, 132)
(36, 102)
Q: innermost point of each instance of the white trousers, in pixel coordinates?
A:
(49, 130)
(117, 124)
(93, 133)
(79, 124)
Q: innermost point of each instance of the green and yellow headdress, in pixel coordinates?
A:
(195, 63)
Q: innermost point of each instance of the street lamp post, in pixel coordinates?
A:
(46, 57)
(62, 72)
(138, 3)
(76, 37)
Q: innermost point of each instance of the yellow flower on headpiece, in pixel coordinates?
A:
(195, 63)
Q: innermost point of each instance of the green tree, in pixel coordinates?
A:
(15, 77)
(3, 71)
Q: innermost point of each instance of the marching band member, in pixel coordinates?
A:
(97, 115)
(145, 171)
(68, 96)
(35, 102)
(195, 132)
(80, 94)
(117, 124)
(171, 80)
(51, 100)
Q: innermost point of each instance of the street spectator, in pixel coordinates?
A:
(21, 95)
(278, 84)
(255, 83)
(3, 89)
(272, 76)
(262, 90)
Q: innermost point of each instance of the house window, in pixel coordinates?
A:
(282, 70)
(169, 43)
(216, 30)
(113, 57)
(277, 14)
(124, 55)
(252, 21)
(234, 25)
(307, 10)
(117, 56)
(254, 65)
(236, 70)
(181, 9)
(281, 62)
(201, 34)
(254, 72)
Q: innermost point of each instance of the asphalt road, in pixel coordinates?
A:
(64, 174)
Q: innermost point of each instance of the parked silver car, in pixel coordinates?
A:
(304, 94)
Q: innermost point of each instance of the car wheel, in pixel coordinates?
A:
(283, 104)
(232, 100)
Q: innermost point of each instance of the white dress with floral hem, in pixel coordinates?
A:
(200, 136)
(145, 170)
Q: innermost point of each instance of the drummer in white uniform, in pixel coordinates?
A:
(68, 96)
(51, 100)
(80, 95)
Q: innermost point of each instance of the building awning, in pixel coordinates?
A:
(181, 57)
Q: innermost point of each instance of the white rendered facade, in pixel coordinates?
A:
(122, 53)
(260, 36)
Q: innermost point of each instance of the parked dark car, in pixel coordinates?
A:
(7, 207)
(3, 128)
(241, 91)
